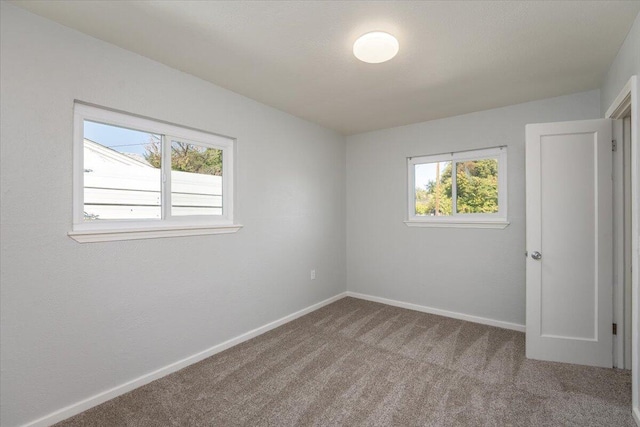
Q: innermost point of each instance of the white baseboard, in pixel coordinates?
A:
(439, 312)
(636, 415)
(99, 398)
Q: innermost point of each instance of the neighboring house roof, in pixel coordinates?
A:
(98, 155)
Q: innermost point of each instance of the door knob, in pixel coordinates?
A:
(536, 255)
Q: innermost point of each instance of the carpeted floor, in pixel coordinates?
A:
(358, 363)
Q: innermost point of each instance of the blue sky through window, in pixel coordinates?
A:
(117, 138)
(425, 172)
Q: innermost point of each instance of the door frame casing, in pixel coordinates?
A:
(629, 97)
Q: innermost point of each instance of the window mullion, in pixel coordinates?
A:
(454, 187)
(166, 177)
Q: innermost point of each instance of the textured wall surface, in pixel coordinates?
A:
(479, 272)
(78, 319)
(626, 64)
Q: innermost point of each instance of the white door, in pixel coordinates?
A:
(569, 242)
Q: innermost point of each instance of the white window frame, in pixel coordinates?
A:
(461, 220)
(168, 226)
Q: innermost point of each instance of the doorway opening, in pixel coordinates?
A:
(622, 239)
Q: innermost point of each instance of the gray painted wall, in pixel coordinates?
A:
(78, 319)
(626, 64)
(477, 272)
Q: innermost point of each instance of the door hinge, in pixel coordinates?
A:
(615, 329)
(614, 145)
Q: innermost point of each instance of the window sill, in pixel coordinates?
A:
(92, 236)
(458, 224)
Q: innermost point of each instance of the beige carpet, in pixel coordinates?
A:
(357, 363)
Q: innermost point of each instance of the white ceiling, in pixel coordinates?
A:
(455, 57)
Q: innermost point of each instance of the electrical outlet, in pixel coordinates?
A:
(313, 275)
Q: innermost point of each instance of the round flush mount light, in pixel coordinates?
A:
(376, 47)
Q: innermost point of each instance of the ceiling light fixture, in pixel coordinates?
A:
(375, 47)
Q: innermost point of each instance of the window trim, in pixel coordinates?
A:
(458, 220)
(168, 225)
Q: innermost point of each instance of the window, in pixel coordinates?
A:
(139, 178)
(463, 189)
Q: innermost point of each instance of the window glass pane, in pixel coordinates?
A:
(196, 179)
(477, 186)
(121, 173)
(433, 189)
